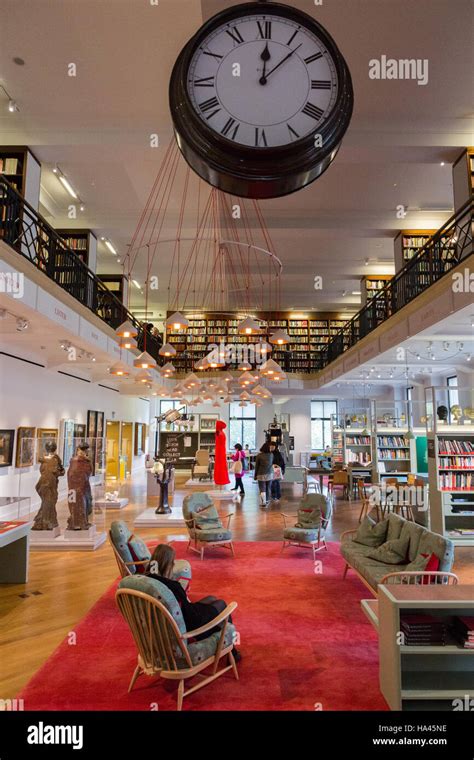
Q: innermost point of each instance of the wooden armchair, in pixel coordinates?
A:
(340, 480)
(313, 518)
(205, 527)
(164, 646)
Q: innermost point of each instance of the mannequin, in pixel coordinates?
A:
(221, 473)
(51, 470)
(79, 489)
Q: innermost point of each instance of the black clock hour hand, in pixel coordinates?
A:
(263, 78)
(265, 56)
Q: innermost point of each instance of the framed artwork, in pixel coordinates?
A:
(79, 432)
(91, 424)
(44, 435)
(7, 438)
(25, 447)
(140, 433)
(68, 441)
(100, 447)
(100, 425)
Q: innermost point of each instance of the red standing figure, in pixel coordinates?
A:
(221, 473)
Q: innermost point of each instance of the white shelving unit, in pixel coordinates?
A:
(421, 677)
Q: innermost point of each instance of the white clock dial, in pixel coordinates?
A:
(263, 81)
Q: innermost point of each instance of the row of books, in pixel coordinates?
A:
(358, 457)
(463, 630)
(423, 629)
(360, 440)
(393, 454)
(455, 446)
(456, 481)
(8, 165)
(456, 463)
(392, 441)
(77, 244)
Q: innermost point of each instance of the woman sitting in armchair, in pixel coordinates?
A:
(195, 614)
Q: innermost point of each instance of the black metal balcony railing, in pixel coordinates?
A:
(450, 245)
(25, 230)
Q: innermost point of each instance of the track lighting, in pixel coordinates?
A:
(110, 247)
(12, 106)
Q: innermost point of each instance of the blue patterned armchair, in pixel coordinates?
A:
(204, 525)
(312, 520)
(133, 555)
(164, 646)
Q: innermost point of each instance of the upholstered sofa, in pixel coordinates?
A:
(421, 542)
(132, 554)
(204, 525)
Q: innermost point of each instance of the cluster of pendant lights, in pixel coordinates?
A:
(213, 390)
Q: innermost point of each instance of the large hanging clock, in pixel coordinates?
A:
(260, 99)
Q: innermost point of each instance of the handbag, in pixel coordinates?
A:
(237, 466)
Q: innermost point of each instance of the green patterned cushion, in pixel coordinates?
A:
(120, 535)
(371, 533)
(138, 548)
(201, 650)
(195, 502)
(392, 552)
(207, 518)
(212, 534)
(304, 535)
(159, 591)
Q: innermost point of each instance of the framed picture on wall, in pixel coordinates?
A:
(7, 438)
(80, 431)
(100, 425)
(139, 447)
(68, 441)
(44, 436)
(25, 447)
(91, 424)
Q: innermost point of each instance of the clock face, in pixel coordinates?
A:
(262, 81)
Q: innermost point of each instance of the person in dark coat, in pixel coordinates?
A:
(278, 462)
(263, 472)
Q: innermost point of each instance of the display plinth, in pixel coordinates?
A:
(72, 540)
(216, 493)
(44, 535)
(111, 503)
(197, 483)
(150, 519)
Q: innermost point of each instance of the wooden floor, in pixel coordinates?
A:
(37, 616)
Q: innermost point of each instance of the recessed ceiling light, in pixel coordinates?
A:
(442, 163)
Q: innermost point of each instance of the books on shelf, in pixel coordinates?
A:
(423, 629)
(454, 462)
(392, 442)
(455, 446)
(456, 481)
(8, 165)
(462, 629)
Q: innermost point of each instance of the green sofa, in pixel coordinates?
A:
(421, 541)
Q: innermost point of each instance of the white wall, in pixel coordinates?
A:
(38, 397)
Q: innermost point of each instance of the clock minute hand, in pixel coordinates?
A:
(263, 79)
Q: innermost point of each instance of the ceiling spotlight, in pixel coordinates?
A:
(110, 247)
(344, 293)
(81, 207)
(468, 357)
(460, 345)
(379, 375)
(442, 163)
(366, 262)
(22, 324)
(12, 106)
(446, 345)
(418, 357)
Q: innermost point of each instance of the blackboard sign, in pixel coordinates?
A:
(171, 452)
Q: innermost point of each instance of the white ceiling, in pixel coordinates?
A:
(96, 126)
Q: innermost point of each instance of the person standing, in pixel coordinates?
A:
(238, 468)
(278, 471)
(263, 472)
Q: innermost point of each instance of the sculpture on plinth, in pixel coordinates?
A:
(79, 490)
(51, 469)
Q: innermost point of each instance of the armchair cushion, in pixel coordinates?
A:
(201, 650)
(138, 548)
(304, 535)
(182, 573)
(207, 518)
(371, 533)
(120, 535)
(392, 552)
(419, 563)
(195, 502)
(159, 591)
(214, 534)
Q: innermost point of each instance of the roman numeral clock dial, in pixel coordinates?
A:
(260, 99)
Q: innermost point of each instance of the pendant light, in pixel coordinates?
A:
(248, 326)
(167, 350)
(270, 368)
(202, 364)
(168, 369)
(144, 361)
(212, 383)
(227, 399)
(244, 396)
(227, 377)
(144, 376)
(244, 367)
(242, 403)
(279, 338)
(216, 404)
(191, 381)
(177, 321)
(119, 369)
(126, 330)
(128, 343)
(215, 360)
(263, 348)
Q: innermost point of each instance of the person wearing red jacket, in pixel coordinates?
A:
(221, 473)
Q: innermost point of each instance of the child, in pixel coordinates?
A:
(238, 468)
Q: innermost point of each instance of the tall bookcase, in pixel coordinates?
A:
(394, 453)
(84, 245)
(371, 285)
(23, 170)
(451, 478)
(309, 336)
(407, 244)
(463, 178)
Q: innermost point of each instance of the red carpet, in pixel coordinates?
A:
(304, 640)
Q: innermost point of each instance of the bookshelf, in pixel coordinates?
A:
(337, 440)
(309, 336)
(357, 447)
(83, 243)
(371, 285)
(463, 178)
(116, 283)
(22, 170)
(407, 244)
(394, 454)
(451, 477)
(422, 677)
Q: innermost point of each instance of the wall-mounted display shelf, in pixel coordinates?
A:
(425, 676)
